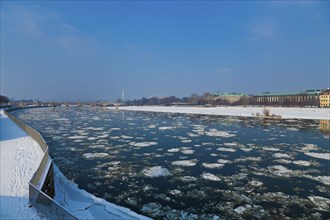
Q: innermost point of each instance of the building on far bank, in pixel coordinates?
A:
(230, 97)
(306, 98)
(325, 98)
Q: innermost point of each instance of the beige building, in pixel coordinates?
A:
(325, 98)
(308, 97)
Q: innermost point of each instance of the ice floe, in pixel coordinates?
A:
(175, 192)
(224, 161)
(173, 150)
(308, 147)
(77, 137)
(166, 128)
(95, 155)
(281, 155)
(143, 144)
(226, 149)
(242, 209)
(325, 156)
(156, 171)
(301, 163)
(187, 151)
(270, 149)
(322, 179)
(320, 203)
(216, 133)
(256, 183)
(184, 163)
(210, 176)
(212, 165)
(188, 178)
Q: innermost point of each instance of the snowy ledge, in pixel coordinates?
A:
(68, 202)
(283, 112)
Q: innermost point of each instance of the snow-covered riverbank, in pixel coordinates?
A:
(19, 158)
(284, 112)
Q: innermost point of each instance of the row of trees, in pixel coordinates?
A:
(194, 99)
(4, 100)
(210, 99)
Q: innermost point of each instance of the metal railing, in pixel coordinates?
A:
(48, 206)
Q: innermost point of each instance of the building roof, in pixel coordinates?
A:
(229, 94)
(307, 92)
(326, 92)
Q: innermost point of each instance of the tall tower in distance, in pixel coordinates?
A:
(122, 96)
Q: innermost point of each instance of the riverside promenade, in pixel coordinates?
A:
(20, 157)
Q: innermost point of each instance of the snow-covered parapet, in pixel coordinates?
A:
(84, 205)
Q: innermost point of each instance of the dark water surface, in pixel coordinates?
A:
(191, 167)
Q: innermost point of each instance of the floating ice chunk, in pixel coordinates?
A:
(216, 133)
(279, 170)
(230, 144)
(77, 137)
(270, 149)
(78, 141)
(166, 128)
(152, 209)
(184, 163)
(96, 118)
(95, 155)
(246, 149)
(114, 129)
(186, 141)
(143, 144)
(213, 165)
(56, 138)
(241, 209)
(293, 129)
(95, 129)
(322, 179)
(325, 156)
(321, 203)
(256, 183)
(62, 119)
(152, 126)
(173, 150)
(256, 159)
(175, 192)
(188, 179)
(301, 163)
(156, 171)
(226, 149)
(281, 155)
(192, 135)
(103, 136)
(210, 176)
(126, 137)
(224, 161)
(283, 161)
(309, 147)
(188, 151)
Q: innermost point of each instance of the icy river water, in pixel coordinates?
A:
(172, 166)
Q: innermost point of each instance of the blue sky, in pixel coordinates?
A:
(90, 50)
